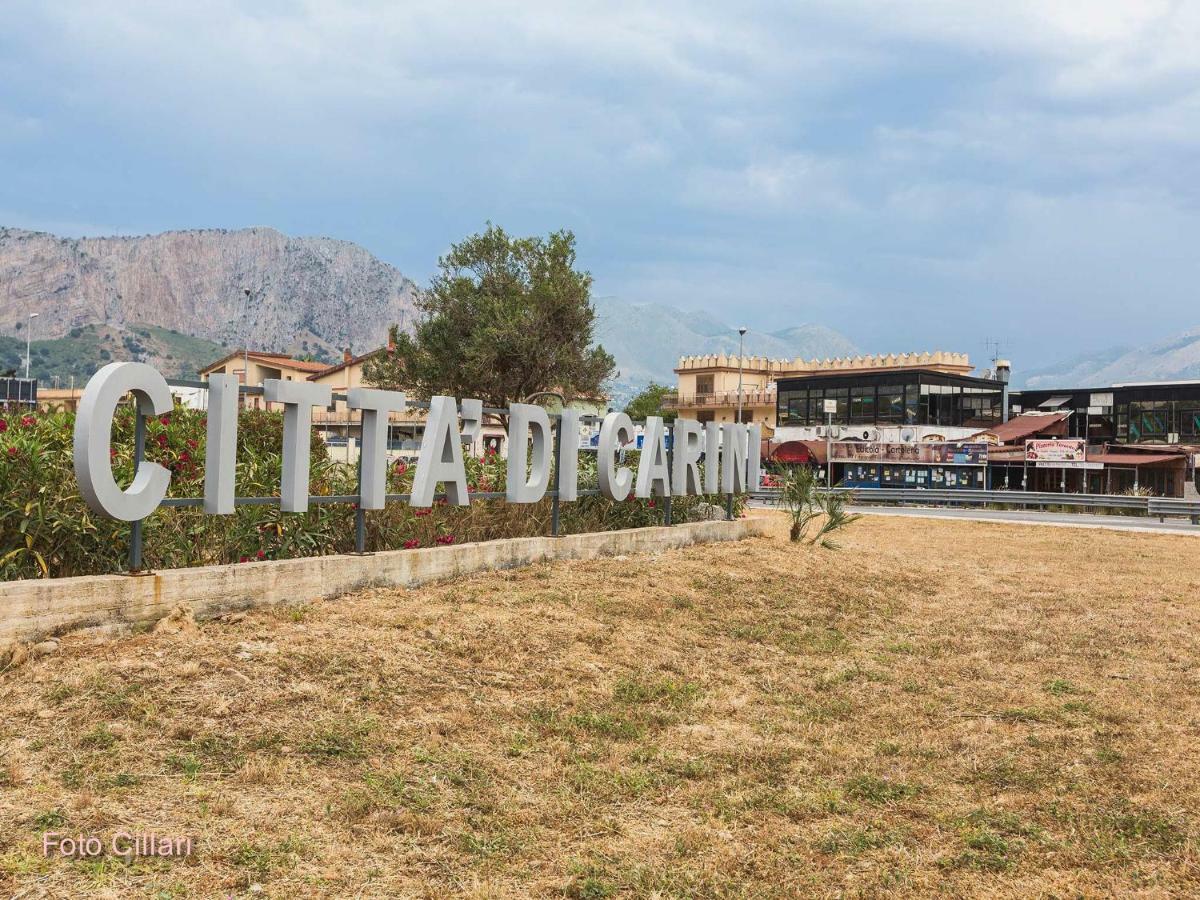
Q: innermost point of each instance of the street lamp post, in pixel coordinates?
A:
(741, 344)
(29, 341)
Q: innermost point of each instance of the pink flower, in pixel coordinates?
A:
(26, 421)
(401, 468)
(412, 544)
(445, 539)
(162, 440)
(183, 457)
(3, 426)
(164, 420)
(244, 559)
(422, 512)
(262, 554)
(12, 451)
(191, 444)
(651, 504)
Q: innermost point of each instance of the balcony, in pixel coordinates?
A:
(719, 400)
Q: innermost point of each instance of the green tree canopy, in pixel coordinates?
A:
(503, 318)
(650, 403)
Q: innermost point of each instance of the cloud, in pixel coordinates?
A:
(875, 168)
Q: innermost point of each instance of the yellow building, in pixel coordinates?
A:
(262, 366)
(707, 388)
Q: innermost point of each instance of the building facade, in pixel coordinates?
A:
(1156, 412)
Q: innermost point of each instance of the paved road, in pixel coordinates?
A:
(1032, 517)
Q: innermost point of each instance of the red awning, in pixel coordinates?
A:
(798, 452)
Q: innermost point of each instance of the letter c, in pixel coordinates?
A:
(93, 438)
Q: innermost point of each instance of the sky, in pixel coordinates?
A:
(918, 175)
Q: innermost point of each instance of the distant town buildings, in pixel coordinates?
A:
(927, 420)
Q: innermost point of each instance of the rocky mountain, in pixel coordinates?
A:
(1174, 359)
(253, 286)
(647, 340)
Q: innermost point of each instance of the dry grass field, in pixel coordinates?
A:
(939, 708)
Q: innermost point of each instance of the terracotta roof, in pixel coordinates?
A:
(329, 370)
(279, 359)
(1025, 425)
(1117, 458)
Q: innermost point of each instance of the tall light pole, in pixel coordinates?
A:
(741, 344)
(29, 341)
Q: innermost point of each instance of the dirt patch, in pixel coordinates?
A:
(949, 707)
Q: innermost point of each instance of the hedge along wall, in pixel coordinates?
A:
(35, 608)
(46, 530)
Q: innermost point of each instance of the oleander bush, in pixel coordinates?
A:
(46, 530)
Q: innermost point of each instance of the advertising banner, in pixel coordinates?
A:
(968, 454)
(1073, 450)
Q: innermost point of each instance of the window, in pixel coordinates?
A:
(793, 407)
(842, 396)
(890, 404)
(704, 384)
(862, 406)
(1190, 424)
(1148, 420)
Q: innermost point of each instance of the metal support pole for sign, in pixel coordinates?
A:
(670, 468)
(360, 528)
(554, 503)
(729, 506)
(139, 450)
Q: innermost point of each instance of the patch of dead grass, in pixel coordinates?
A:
(952, 707)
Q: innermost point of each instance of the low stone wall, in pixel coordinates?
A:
(36, 608)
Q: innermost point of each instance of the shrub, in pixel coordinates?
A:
(46, 529)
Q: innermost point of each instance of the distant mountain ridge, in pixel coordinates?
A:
(647, 339)
(309, 295)
(175, 298)
(1173, 359)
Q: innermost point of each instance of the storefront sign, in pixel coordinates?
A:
(731, 451)
(968, 454)
(1065, 450)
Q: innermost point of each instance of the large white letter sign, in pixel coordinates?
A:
(653, 478)
(298, 399)
(527, 421)
(754, 463)
(220, 448)
(616, 430)
(733, 458)
(568, 456)
(93, 438)
(376, 406)
(440, 457)
(685, 461)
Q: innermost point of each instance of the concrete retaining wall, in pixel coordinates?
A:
(35, 608)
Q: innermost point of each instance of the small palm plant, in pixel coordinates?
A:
(806, 504)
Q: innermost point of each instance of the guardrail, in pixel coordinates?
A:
(1146, 506)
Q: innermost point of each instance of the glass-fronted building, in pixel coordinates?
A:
(892, 398)
(1166, 413)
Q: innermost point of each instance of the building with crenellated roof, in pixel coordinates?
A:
(707, 387)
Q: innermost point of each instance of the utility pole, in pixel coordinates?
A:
(741, 344)
(29, 341)
(828, 444)
(246, 350)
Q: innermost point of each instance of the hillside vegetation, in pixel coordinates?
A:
(86, 348)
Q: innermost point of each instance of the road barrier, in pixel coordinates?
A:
(1144, 506)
